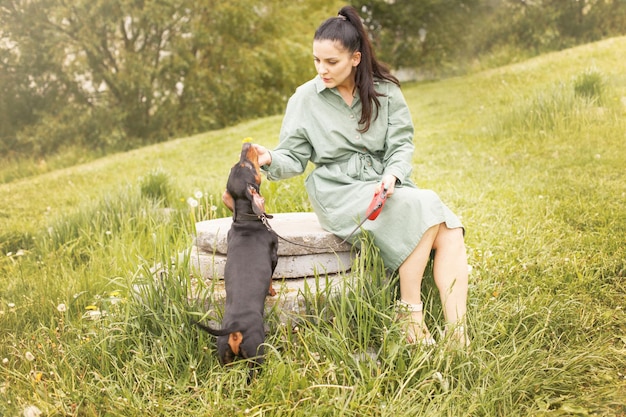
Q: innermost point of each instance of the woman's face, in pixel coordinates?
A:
(334, 64)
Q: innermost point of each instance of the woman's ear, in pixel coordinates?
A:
(356, 58)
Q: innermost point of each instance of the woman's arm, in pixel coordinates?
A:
(294, 150)
(399, 150)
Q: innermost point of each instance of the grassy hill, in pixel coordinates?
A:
(530, 155)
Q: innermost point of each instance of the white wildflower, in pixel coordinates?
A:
(29, 356)
(62, 308)
(94, 314)
(32, 411)
(445, 385)
(192, 202)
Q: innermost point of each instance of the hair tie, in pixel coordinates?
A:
(340, 16)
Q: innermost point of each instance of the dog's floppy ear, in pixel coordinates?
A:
(258, 202)
(228, 200)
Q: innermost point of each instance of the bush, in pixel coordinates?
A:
(589, 85)
(156, 187)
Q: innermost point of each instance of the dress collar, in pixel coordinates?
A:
(319, 84)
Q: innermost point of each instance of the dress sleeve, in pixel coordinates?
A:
(294, 149)
(399, 143)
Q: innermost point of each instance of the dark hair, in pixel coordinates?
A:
(348, 29)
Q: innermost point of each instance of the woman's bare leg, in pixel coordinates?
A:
(451, 277)
(450, 272)
(411, 274)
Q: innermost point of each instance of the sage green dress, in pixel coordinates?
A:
(320, 127)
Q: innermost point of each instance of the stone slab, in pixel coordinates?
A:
(289, 298)
(309, 259)
(303, 229)
(289, 266)
(289, 301)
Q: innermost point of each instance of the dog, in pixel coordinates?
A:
(250, 262)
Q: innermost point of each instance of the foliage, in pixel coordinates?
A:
(448, 36)
(423, 34)
(548, 25)
(106, 76)
(113, 75)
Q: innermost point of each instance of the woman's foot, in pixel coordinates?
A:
(416, 331)
(457, 336)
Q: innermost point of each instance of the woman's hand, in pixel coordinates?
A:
(389, 183)
(265, 158)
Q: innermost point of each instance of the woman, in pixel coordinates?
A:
(353, 123)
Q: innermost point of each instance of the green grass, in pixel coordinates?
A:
(530, 155)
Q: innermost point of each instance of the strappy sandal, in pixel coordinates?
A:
(426, 339)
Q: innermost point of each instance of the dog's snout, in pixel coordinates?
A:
(250, 154)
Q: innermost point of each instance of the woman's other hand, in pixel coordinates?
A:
(388, 182)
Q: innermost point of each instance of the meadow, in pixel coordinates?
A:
(530, 155)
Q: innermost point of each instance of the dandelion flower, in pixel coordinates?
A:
(29, 356)
(62, 308)
(5, 361)
(192, 202)
(247, 140)
(198, 194)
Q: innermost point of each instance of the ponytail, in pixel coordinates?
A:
(348, 29)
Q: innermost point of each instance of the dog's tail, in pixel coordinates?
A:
(218, 332)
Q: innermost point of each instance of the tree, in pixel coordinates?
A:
(426, 34)
(445, 34)
(114, 74)
(29, 82)
(547, 25)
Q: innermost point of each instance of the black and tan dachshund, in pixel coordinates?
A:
(250, 262)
